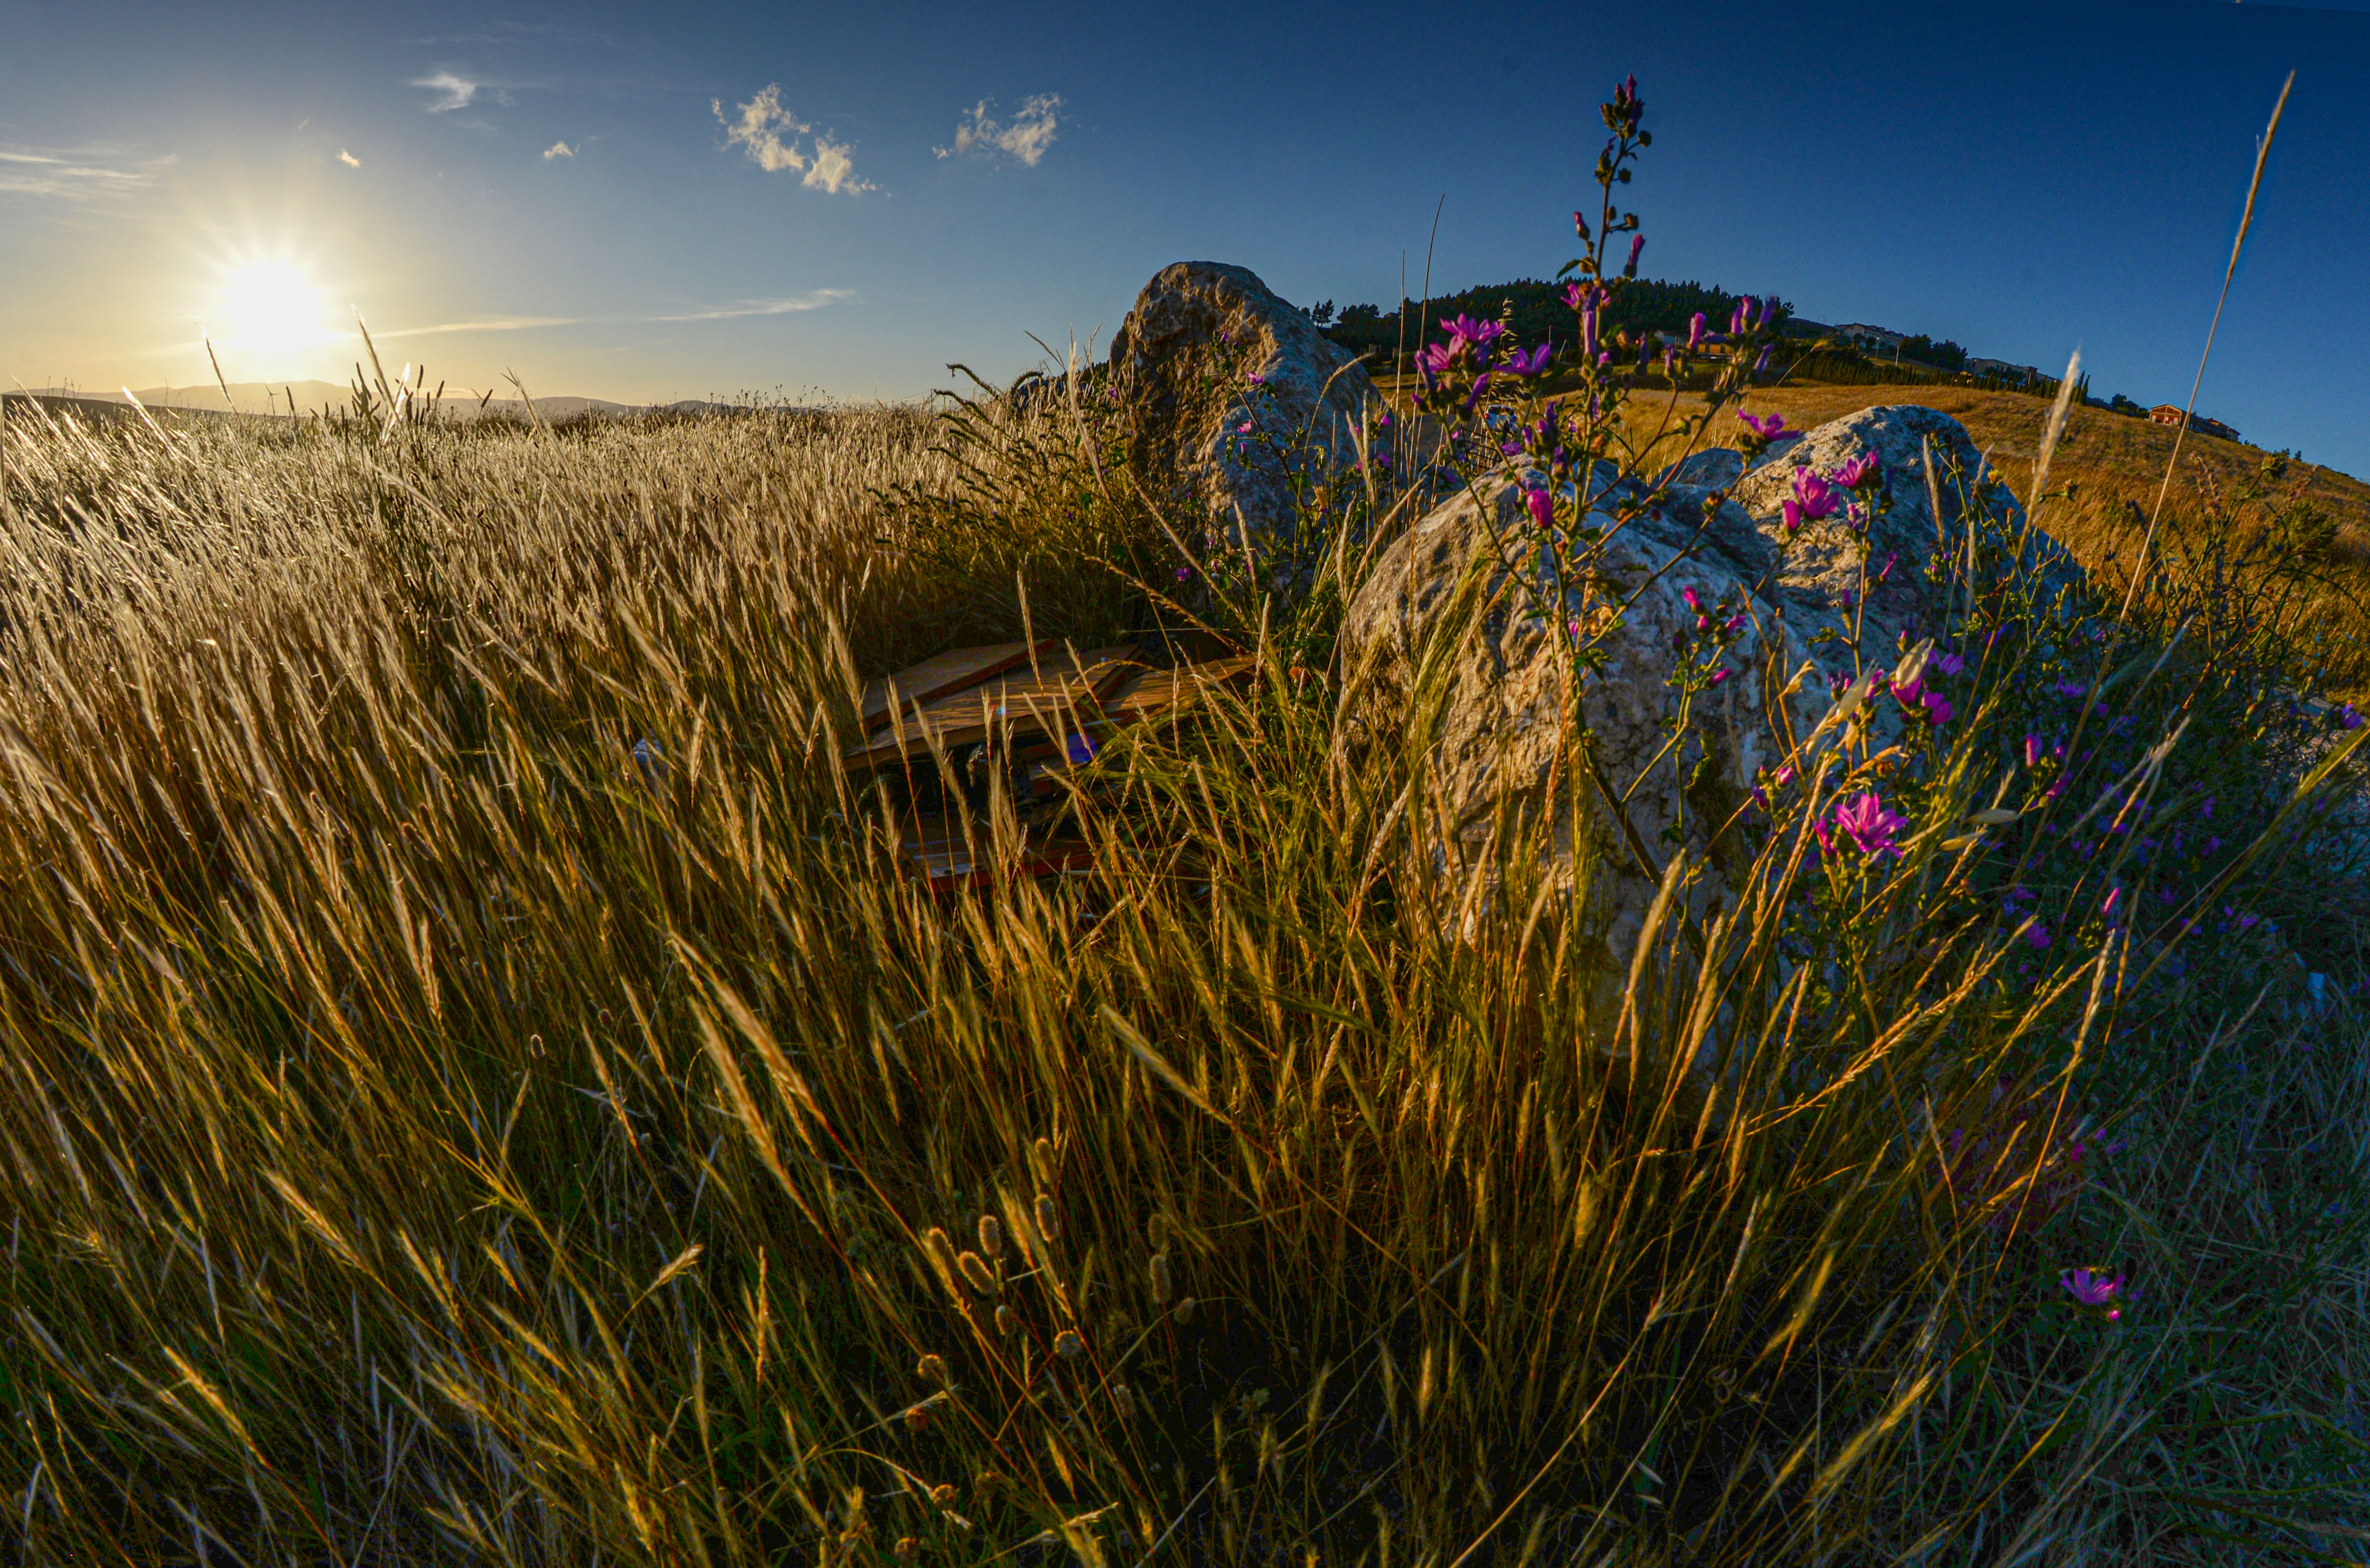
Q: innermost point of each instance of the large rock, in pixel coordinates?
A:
(1209, 349)
(1713, 527)
(1499, 736)
(1818, 581)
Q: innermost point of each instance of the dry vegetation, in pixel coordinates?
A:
(2117, 466)
(427, 1135)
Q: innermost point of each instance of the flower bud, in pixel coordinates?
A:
(981, 1277)
(942, 1254)
(1068, 1345)
(1006, 1321)
(1160, 1277)
(1045, 1219)
(991, 1236)
(932, 1368)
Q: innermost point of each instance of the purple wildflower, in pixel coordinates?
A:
(1542, 507)
(2093, 1289)
(1769, 427)
(1812, 498)
(1465, 329)
(2037, 935)
(1536, 362)
(2351, 719)
(1864, 819)
(1694, 332)
(1183, 573)
(1860, 472)
(1637, 244)
(1947, 664)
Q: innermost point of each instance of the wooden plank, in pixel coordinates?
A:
(944, 674)
(1059, 692)
(1165, 691)
(934, 851)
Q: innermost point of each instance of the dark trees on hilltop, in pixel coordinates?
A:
(1540, 313)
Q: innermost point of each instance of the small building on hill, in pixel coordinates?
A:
(2003, 369)
(2171, 414)
(1873, 339)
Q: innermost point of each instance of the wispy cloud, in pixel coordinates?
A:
(770, 133)
(457, 91)
(349, 159)
(84, 175)
(558, 150)
(815, 300)
(1025, 136)
(501, 324)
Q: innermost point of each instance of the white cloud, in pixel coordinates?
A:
(815, 300)
(349, 159)
(770, 133)
(510, 324)
(459, 92)
(1025, 136)
(558, 150)
(88, 175)
(763, 120)
(832, 172)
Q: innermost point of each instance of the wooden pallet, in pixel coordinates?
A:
(1060, 694)
(943, 675)
(935, 852)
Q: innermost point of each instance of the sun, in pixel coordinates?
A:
(268, 313)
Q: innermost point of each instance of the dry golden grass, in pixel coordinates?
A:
(428, 1135)
(2116, 466)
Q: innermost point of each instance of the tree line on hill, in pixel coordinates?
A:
(1537, 311)
(1534, 310)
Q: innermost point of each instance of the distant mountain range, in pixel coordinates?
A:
(313, 398)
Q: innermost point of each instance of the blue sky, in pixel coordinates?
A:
(581, 193)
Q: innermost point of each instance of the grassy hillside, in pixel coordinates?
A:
(434, 1135)
(2117, 466)
(2116, 463)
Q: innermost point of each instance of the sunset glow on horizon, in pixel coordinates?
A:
(840, 201)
